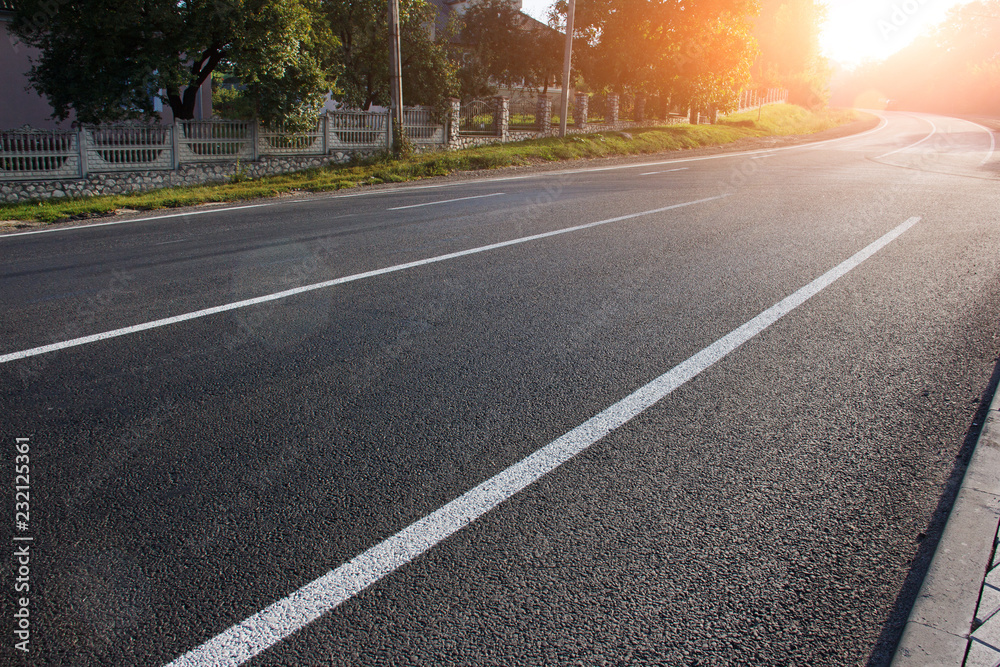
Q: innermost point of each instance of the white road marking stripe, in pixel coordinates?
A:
(650, 173)
(761, 157)
(408, 188)
(933, 132)
(156, 217)
(281, 619)
(446, 201)
(44, 349)
(993, 141)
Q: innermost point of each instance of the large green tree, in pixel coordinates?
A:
(429, 77)
(501, 47)
(106, 60)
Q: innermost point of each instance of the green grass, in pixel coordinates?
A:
(776, 120)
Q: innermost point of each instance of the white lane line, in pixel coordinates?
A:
(44, 349)
(993, 140)
(278, 621)
(933, 132)
(650, 173)
(445, 201)
(436, 186)
(761, 157)
(155, 217)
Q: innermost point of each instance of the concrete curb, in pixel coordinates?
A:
(940, 625)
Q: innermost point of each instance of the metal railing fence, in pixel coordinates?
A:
(523, 113)
(478, 117)
(570, 111)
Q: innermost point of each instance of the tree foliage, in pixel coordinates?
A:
(694, 51)
(429, 77)
(104, 60)
(499, 46)
(788, 34)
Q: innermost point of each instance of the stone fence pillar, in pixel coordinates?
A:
(611, 116)
(454, 121)
(580, 110)
(502, 106)
(713, 114)
(543, 114)
(640, 108)
(693, 116)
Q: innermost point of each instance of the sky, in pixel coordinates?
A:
(856, 30)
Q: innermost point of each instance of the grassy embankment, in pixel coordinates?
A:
(776, 120)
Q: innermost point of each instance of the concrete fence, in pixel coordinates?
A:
(114, 159)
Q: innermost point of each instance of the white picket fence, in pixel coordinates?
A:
(30, 154)
(751, 99)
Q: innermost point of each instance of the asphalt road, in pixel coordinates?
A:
(774, 508)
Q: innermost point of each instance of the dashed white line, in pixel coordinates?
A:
(445, 201)
(266, 628)
(650, 173)
(155, 324)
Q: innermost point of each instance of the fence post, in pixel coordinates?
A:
(81, 142)
(543, 114)
(175, 145)
(501, 111)
(580, 110)
(612, 112)
(254, 134)
(713, 114)
(640, 108)
(454, 121)
(325, 125)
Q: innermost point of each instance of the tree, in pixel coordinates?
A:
(694, 51)
(105, 60)
(788, 34)
(429, 77)
(500, 46)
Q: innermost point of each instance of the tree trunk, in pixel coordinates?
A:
(183, 104)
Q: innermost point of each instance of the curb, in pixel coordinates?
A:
(939, 630)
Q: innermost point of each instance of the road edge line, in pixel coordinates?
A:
(939, 627)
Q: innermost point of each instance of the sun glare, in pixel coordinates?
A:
(856, 30)
(862, 30)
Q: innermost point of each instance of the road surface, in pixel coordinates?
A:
(676, 411)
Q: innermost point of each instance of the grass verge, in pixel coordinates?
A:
(775, 120)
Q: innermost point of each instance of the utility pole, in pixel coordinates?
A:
(567, 61)
(395, 75)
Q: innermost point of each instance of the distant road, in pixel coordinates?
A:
(696, 410)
